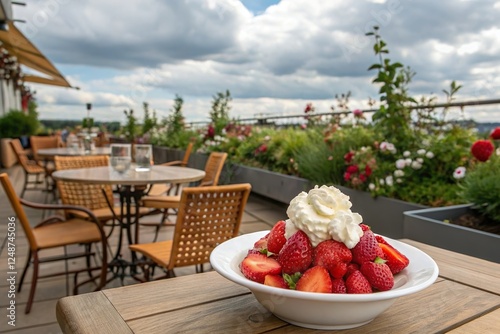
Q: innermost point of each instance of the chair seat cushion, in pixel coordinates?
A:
(105, 214)
(72, 231)
(161, 202)
(159, 252)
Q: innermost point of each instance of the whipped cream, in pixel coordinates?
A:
(324, 213)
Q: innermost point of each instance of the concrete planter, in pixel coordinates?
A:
(428, 226)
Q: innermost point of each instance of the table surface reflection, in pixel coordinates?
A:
(106, 175)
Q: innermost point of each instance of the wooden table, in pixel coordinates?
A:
(464, 299)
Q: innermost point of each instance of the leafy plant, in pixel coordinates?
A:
(131, 125)
(481, 187)
(16, 123)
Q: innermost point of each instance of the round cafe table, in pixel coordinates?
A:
(131, 186)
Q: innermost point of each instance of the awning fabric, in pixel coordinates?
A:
(28, 55)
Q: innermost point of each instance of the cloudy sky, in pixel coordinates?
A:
(274, 56)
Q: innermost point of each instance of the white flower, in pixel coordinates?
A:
(399, 173)
(429, 155)
(459, 173)
(267, 138)
(382, 182)
(406, 154)
(371, 186)
(389, 180)
(421, 151)
(416, 165)
(386, 146)
(399, 180)
(400, 163)
(408, 162)
(420, 160)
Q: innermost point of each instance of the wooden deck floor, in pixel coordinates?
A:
(260, 214)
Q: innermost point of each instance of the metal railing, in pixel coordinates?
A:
(298, 119)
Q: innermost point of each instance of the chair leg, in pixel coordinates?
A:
(33, 282)
(25, 185)
(24, 272)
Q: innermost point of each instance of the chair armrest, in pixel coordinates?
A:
(58, 207)
(172, 163)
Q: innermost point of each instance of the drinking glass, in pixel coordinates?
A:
(121, 157)
(143, 155)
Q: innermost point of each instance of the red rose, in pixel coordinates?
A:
(347, 176)
(368, 170)
(495, 134)
(352, 169)
(362, 177)
(348, 157)
(482, 150)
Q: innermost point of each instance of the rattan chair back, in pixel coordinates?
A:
(213, 168)
(207, 217)
(91, 196)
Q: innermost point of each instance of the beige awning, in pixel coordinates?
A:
(28, 55)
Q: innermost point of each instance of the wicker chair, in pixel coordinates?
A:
(42, 142)
(207, 216)
(165, 203)
(34, 174)
(97, 198)
(56, 232)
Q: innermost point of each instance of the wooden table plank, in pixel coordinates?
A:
(483, 325)
(242, 314)
(171, 294)
(463, 268)
(89, 313)
(429, 311)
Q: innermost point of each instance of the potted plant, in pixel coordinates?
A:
(15, 124)
(472, 228)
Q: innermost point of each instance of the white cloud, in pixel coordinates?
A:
(292, 53)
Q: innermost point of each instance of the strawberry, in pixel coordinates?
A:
(378, 274)
(315, 279)
(334, 256)
(276, 238)
(367, 249)
(364, 227)
(255, 267)
(296, 254)
(338, 286)
(351, 267)
(275, 280)
(395, 259)
(357, 283)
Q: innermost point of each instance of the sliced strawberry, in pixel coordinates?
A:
(367, 249)
(364, 227)
(357, 283)
(261, 243)
(396, 261)
(315, 279)
(334, 256)
(338, 286)
(378, 274)
(255, 267)
(276, 238)
(275, 280)
(296, 254)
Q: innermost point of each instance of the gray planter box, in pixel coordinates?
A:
(384, 215)
(428, 226)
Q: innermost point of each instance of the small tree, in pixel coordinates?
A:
(130, 126)
(150, 121)
(219, 114)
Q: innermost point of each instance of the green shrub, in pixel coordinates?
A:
(16, 123)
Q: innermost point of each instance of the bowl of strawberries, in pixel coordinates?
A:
(327, 286)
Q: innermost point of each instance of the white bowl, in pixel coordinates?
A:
(323, 310)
